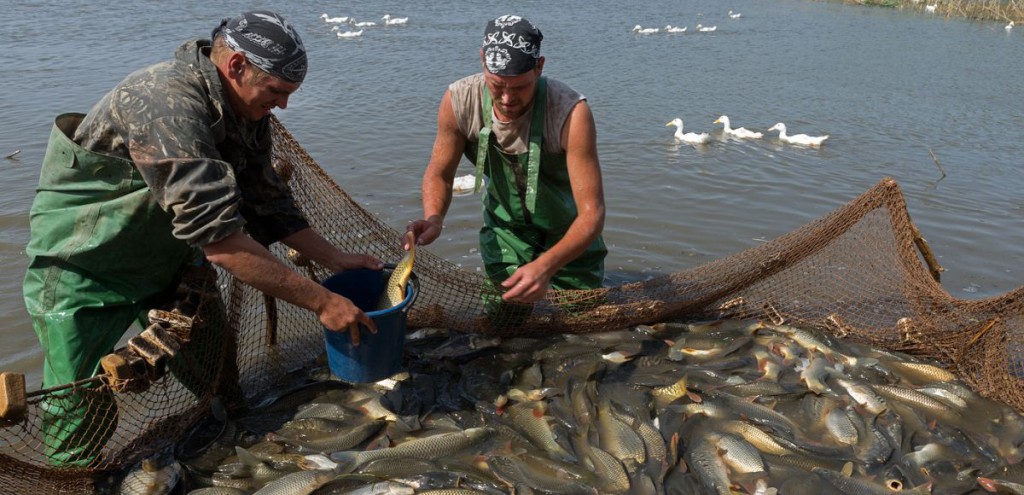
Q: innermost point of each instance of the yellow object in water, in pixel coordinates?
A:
(394, 291)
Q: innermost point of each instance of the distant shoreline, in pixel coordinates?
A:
(983, 10)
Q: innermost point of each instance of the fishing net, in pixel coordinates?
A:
(862, 272)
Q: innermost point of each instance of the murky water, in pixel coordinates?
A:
(887, 86)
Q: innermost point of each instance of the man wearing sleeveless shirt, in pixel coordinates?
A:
(533, 142)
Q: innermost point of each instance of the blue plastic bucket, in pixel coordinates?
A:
(379, 355)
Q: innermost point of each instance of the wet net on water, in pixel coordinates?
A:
(861, 273)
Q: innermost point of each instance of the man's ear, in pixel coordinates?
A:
(237, 65)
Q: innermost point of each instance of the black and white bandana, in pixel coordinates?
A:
(511, 45)
(268, 42)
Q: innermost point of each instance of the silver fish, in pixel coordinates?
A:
(617, 437)
(463, 345)
(324, 410)
(331, 441)
(613, 476)
(814, 373)
(516, 472)
(841, 427)
(703, 458)
(856, 486)
(218, 490)
(1007, 479)
(739, 456)
(706, 347)
(432, 447)
(298, 483)
(151, 479)
(531, 419)
(918, 373)
(922, 402)
(864, 395)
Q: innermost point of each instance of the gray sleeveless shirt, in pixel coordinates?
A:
(513, 137)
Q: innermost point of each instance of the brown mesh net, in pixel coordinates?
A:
(862, 273)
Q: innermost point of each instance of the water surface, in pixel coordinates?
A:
(887, 86)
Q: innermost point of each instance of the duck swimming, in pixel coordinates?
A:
(643, 30)
(689, 137)
(675, 29)
(333, 20)
(741, 132)
(394, 21)
(706, 29)
(802, 139)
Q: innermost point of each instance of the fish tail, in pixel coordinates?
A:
(246, 457)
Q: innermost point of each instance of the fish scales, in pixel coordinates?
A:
(920, 401)
(853, 420)
(530, 418)
(856, 486)
(432, 447)
(739, 455)
(298, 483)
(218, 490)
(756, 413)
(151, 479)
(702, 457)
(451, 491)
(654, 444)
(614, 479)
(332, 441)
(394, 289)
(617, 437)
(515, 472)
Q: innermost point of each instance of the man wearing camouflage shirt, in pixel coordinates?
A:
(172, 168)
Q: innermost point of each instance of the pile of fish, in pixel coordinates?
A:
(722, 407)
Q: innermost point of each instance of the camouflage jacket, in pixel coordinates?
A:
(209, 169)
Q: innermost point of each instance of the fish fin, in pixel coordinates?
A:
(347, 460)
(847, 469)
(246, 457)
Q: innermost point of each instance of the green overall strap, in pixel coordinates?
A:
(533, 152)
(484, 143)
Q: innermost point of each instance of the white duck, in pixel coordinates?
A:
(643, 30)
(350, 34)
(737, 15)
(394, 21)
(741, 132)
(675, 29)
(706, 29)
(333, 20)
(689, 137)
(1008, 27)
(363, 23)
(930, 8)
(802, 139)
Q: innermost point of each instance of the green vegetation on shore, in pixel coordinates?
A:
(986, 10)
